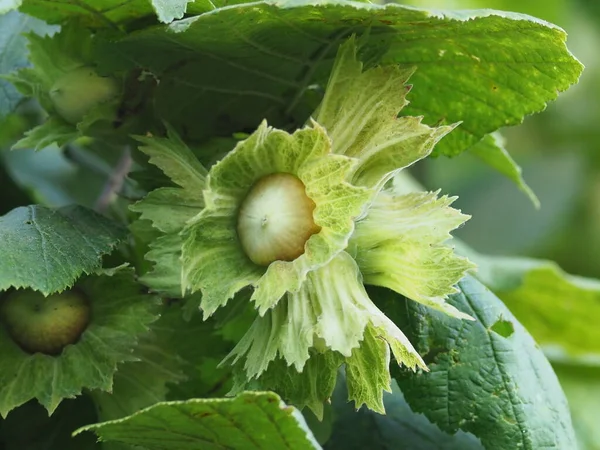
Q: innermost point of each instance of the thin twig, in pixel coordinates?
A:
(115, 181)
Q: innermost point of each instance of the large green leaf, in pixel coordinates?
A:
(487, 69)
(486, 377)
(13, 52)
(47, 250)
(251, 420)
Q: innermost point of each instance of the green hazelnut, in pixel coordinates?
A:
(78, 91)
(41, 324)
(276, 219)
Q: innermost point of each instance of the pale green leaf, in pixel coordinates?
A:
(554, 306)
(53, 131)
(213, 259)
(120, 313)
(487, 69)
(491, 151)
(499, 387)
(47, 250)
(261, 420)
(13, 51)
(359, 112)
(169, 10)
(400, 245)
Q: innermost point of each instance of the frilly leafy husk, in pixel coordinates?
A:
(121, 312)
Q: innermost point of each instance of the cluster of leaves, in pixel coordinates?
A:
(183, 94)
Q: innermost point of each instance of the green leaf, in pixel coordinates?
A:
(500, 388)
(491, 151)
(400, 245)
(53, 131)
(120, 313)
(170, 208)
(261, 420)
(554, 306)
(13, 51)
(486, 69)
(47, 250)
(359, 112)
(176, 160)
(398, 429)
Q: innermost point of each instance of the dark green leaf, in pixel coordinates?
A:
(47, 250)
(501, 389)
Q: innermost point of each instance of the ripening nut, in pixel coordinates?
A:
(77, 92)
(276, 219)
(41, 324)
